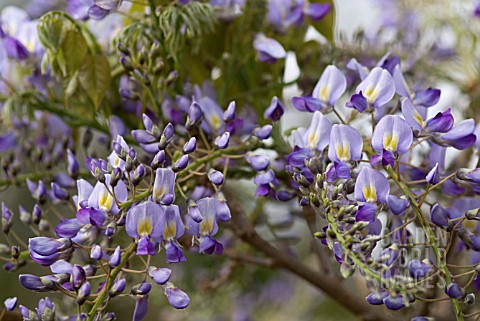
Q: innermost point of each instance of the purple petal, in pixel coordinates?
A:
(330, 86)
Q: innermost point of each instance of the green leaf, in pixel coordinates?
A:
(94, 76)
(74, 49)
(50, 30)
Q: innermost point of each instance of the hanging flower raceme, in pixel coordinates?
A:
(392, 136)
(144, 222)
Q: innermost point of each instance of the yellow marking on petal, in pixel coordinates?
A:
(170, 230)
(343, 151)
(370, 193)
(206, 226)
(390, 142)
(105, 201)
(159, 192)
(419, 119)
(215, 122)
(324, 93)
(371, 93)
(145, 227)
(312, 140)
(116, 161)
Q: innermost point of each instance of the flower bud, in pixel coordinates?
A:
(73, 167)
(78, 276)
(142, 288)
(115, 258)
(215, 177)
(181, 163)
(263, 132)
(83, 293)
(36, 214)
(190, 146)
(195, 115)
(455, 291)
(222, 140)
(194, 211)
(6, 219)
(158, 160)
(10, 303)
(230, 114)
(159, 275)
(117, 288)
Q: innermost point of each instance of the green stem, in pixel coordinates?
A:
(432, 239)
(101, 296)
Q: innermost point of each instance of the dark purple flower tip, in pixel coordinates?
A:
(269, 50)
(263, 132)
(145, 247)
(439, 216)
(223, 213)
(181, 163)
(376, 298)
(394, 303)
(365, 213)
(78, 276)
(115, 258)
(209, 245)
(358, 102)
(317, 11)
(141, 307)
(15, 49)
(433, 177)
(275, 110)
(419, 269)
(427, 98)
(460, 136)
(142, 288)
(190, 146)
(174, 253)
(222, 140)
(83, 293)
(97, 13)
(440, 123)
(338, 170)
(215, 177)
(454, 290)
(10, 303)
(230, 114)
(59, 192)
(159, 275)
(397, 205)
(35, 283)
(307, 103)
(176, 297)
(117, 288)
(158, 159)
(284, 195)
(258, 162)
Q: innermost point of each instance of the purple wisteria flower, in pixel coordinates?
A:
(376, 90)
(328, 90)
(207, 227)
(317, 136)
(145, 221)
(269, 50)
(391, 136)
(346, 144)
(371, 186)
(164, 186)
(173, 228)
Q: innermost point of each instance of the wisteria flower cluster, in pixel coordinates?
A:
(149, 134)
